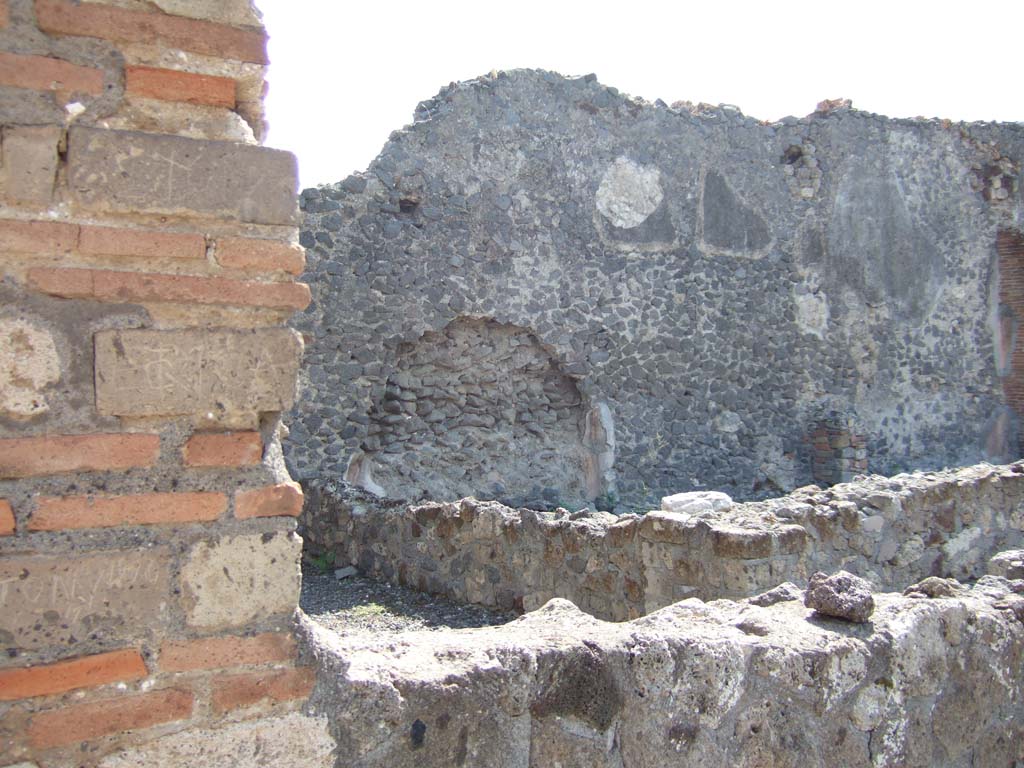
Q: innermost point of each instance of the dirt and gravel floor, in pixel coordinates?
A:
(357, 605)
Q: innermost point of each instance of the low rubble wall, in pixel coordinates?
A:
(926, 682)
(891, 531)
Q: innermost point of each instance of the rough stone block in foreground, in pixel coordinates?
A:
(52, 601)
(160, 373)
(130, 172)
(241, 579)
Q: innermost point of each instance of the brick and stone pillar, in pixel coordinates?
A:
(148, 560)
(839, 452)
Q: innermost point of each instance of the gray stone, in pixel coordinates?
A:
(841, 595)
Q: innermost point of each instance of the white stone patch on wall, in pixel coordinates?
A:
(629, 193)
(812, 312)
(28, 363)
(292, 741)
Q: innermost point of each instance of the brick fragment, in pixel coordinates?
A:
(49, 238)
(235, 691)
(140, 243)
(29, 163)
(42, 73)
(4, 17)
(274, 500)
(82, 722)
(71, 675)
(224, 652)
(55, 514)
(113, 286)
(223, 449)
(261, 255)
(62, 17)
(174, 85)
(6, 518)
(53, 455)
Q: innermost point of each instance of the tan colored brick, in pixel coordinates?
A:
(72, 674)
(160, 373)
(41, 73)
(235, 691)
(260, 255)
(224, 652)
(140, 243)
(241, 579)
(92, 20)
(130, 172)
(106, 597)
(174, 85)
(274, 500)
(6, 518)
(57, 454)
(223, 449)
(141, 287)
(48, 238)
(55, 514)
(29, 163)
(82, 722)
(4, 17)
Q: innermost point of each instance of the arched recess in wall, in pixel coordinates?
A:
(482, 408)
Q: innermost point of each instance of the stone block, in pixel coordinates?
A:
(241, 579)
(291, 741)
(132, 172)
(667, 527)
(29, 163)
(741, 543)
(162, 373)
(52, 601)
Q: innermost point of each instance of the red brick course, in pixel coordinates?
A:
(272, 501)
(70, 675)
(82, 722)
(236, 691)
(6, 518)
(260, 255)
(112, 286)
(173, 85)
(62, 17)
(55, 514)
(223, 449)
(42, 73)
(224, 652)
(53, 455)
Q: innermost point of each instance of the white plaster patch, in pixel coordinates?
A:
(695, 502)
(629, 193)
(812, 312)
(28, 363)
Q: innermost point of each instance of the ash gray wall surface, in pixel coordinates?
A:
(712, 284)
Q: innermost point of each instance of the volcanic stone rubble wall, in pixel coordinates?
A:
(928, 682)
(891, 531)
(148, 561)
(715, 288)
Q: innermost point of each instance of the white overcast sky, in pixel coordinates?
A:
(343, 75)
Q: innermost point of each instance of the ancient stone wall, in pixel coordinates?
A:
(715, 287)
(890, 531)
(148, 560)
(930, 681)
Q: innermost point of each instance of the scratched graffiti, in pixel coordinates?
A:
(150, 373)
(48, 601)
